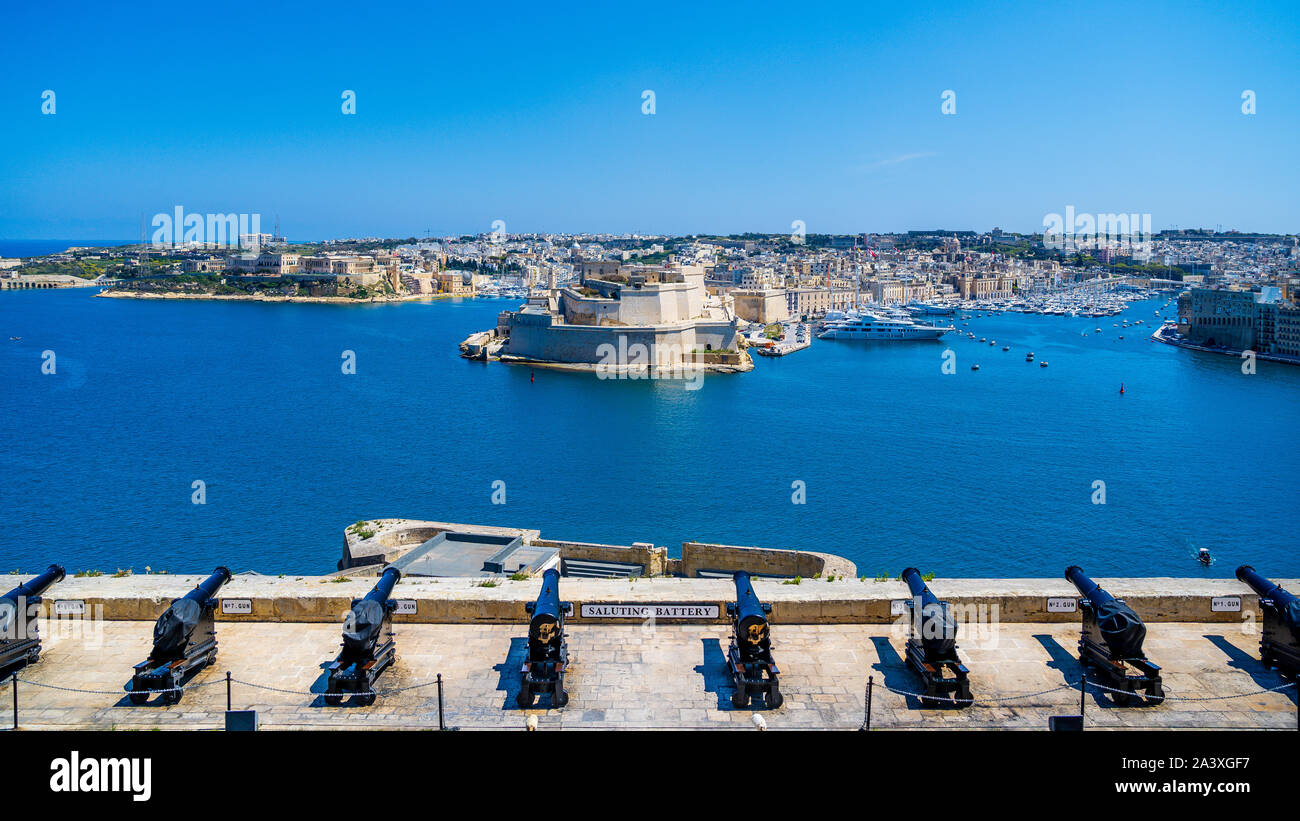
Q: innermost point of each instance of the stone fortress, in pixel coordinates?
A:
(658, 320)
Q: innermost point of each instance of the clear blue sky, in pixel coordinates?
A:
(531, 113)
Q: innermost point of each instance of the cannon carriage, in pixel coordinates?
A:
(184, 642)
(932, 646)
(1279, 643)
(1110, 643)
(368, 645)
(548, 647)
(20, 640)
(749, 659)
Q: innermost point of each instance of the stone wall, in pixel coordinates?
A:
(653, 559)
(697, 556)
(843, 601)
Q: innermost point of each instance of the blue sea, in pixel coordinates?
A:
(13, 248)
(973, 473)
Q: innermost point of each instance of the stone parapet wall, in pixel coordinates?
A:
(465, 601)
(697, 556)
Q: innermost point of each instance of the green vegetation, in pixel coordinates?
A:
(361, 530)
(486, 583)
(521, 576)
(773, 331)
(795, 580)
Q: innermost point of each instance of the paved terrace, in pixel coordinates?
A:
(651, 676)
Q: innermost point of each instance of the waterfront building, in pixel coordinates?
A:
(1240, 319)
(665, 311)
(817, 301)
(765, 305)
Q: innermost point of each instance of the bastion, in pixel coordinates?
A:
(647, 643)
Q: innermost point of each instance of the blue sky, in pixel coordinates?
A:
(531, 113)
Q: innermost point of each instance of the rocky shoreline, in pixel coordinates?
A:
(333, 300)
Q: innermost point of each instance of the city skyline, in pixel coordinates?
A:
(536, 119)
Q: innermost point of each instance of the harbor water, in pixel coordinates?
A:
(868, 450)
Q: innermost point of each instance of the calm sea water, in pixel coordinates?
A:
(986, 473)
(41, 247)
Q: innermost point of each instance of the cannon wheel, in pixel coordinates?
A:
(366, 700)
(740, 698)
(525, 697)
(1124, 698)
(561, 698)
(171, 697)
(1155, 694)
(137, 698)
(774, 698)
(333, 700)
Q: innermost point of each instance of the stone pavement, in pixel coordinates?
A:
(667, 676)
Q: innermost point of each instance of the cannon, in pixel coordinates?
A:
(1279, 646)
(932, 647)
(750, 656)
(20, 640)
(368, 644)
(184, 642)
(548, 650)
(1110, 642)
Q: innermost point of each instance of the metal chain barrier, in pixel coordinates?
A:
(1198, 698)
(120, 692)
(989, 702)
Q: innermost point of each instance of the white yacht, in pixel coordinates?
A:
(870, 326)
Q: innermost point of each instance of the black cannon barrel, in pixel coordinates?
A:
(364, 622)
(748, 607)
(383, 589)
(1121, 628)
(918, 586)
(547, 606)
(751, 621)
(172, 632)
(937, 626)
(1264, 586)
(1285, 603)
(35, 587)
(208, 588)
(1086, 586)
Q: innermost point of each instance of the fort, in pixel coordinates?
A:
(664, 315)
(646, 642)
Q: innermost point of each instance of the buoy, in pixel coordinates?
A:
(532, 376)
(1121, 388)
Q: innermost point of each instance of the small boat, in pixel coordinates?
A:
(1203, 556)
(14, 338)
(1006, 347)
(1043, 364)
(1029, 357)
(974, 367)
(982, 339)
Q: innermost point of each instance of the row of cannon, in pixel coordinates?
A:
(1110, 641)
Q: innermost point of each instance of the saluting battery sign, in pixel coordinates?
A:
(648, 611)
